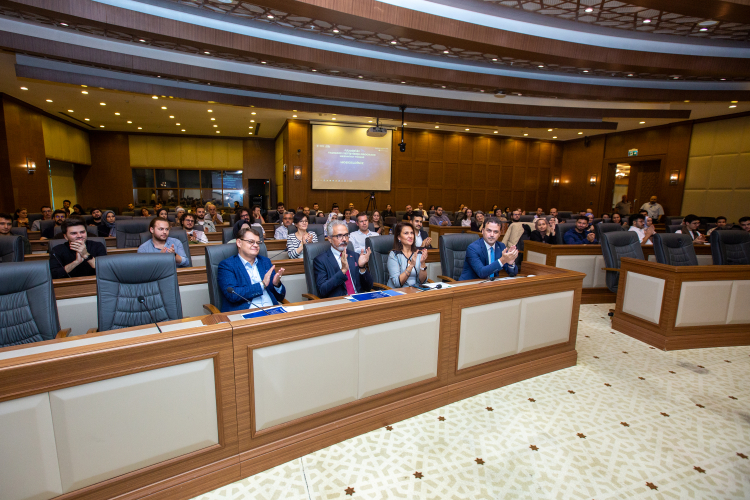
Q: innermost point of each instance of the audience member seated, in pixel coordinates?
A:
(236, 230)
(282, 232)
(539, 213)
(638, 226)
(66, 208)
(690, 227)
(605, 218)
(420, 208)
(502, 216)
(581, 234)
(338, 273)
(6, 225)
(617, 219)
(193, 235)
(377, 221)
(251, 277)
(407, 265)
(164, 214)
(407, 214)
(553, 213)
(655, 210)
(203, 222)
(363, 232)
(130, 208)
(213, 215)
(466, 221)
(178, 213)
(517, 229)
(486, 256)
(278, 214)
(439, 218)
(315, 209)
(96, 217)
(58, 216)
(544, 232)
(422, 239)
(77, 256)
(108, 225)
(388, 212)
(348, 216)
(295, 242)
(161, 242)
(745, 223)
(157, 207)
(145, 212)
(721, 224)
(78, 210)
(23, 218)
(477, 225)
(46, 211)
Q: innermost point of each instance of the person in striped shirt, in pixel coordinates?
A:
(295, 242)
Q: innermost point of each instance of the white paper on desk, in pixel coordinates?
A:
(290, 309)
(433, 286)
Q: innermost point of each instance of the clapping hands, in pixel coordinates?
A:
(509, 255)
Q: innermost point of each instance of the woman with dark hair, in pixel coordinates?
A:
(145, 212)
(78, 209)
(432, 208)
(388, 212)
(164, 213)
(377, 221)
(478, 226)
(295, 242)
(544, 233)
(106, 227)
(236, 230)
(22, 219)
(406, 265)
(466, 221)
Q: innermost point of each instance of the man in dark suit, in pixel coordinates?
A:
(337, 273)
(252, 277)
(485, 257)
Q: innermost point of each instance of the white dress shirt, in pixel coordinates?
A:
(200, 236)
(497, 257)
(255, 277)
(358, 239)
(281, 233)
(641, 234)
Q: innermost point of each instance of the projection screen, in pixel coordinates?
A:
(346, 158)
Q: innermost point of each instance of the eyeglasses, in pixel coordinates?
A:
(252, 243)
(340, 236)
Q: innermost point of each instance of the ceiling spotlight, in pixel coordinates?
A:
(360, 76)
(252, 121)
(251, 127)
(183, 130)
(63, 24)
(294, 116)
(580, 133)
(84, 86)
(140, 128)
(171, 116)
(250, 133)
(263, 62)
(213, 119)
(541, 66)
(686, 100)
(86, 119)
(210, 110)
(335, 31)
(525, 135)
(206, 52)
(641, 123)
(554, 137)
(163, 107)
(154, 97)
(446, 52)
(333, 118)
(704, 29)
(467, 129)
(130, 121)
(549, 130)
(734, 102)
(589, 10)
(630, 74)
(443, 86)
(215, 126)
(102, 104)
(142, 40)
(117, 114)
(585, 71)
(24, 88)
(494, 59)
(406, 124)
(393, 42)
(733, 106)
(253, 113)
(646, 21)
(723, 79)
(101, 126)
(675, 78)
(218, 131)
(495, 132)
(315, 70)
(177, 124)
(437, 126)
(269, 16)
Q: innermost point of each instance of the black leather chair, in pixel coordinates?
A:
(606, 227)
(34, 217)
(453, 254)
(20, 231)
(390, 221)
(53, 243)
(214, 255)
(120, 279)
(526, 218)
(673, 228)
(318, 229)
(124, 217)
(615, 245)
(227, 235)
(564, 215)
(560, 231)
(674, 250)
(730, 248)
(673, 220)
(352, 227)
(27, 299)
(381, 247)
(11, 249)
(45, 224)
(312, 250)
(129, 232)
(232, 220)
(177, 233)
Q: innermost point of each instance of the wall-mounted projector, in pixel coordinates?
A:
(376, 132)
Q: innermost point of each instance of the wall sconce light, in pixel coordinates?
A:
(555, 181)
(297, 172)
(30, 166)
(592, 180)
(674, 177)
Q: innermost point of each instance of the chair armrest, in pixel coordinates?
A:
(446, 278)
(63, 333)
(430, 281)
(614, 269)
(92, 330)
(284, 301)
(310, 296)
(212, 309)
(380, 287)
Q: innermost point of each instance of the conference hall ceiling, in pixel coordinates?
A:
(590, 66)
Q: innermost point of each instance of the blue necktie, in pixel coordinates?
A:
(492, 259)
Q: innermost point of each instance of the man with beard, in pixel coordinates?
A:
(338, 273)
(77, 256)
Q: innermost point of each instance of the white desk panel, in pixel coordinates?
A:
(545, 320)
(703, 303)
(643, 296)
(739, 312)
(488, 332)
(536, 257)
(581, 263)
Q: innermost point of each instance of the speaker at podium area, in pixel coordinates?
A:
(259, 192)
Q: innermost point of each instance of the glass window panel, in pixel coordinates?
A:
(143, 177)
(211, 186)
(188, 196)
(167, 196)
(233, 190)
(190, 179)
(144, 196)
(166, 178)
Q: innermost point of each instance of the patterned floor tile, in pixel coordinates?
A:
(629, 421)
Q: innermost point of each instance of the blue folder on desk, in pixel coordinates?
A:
(380, 294)
(270, 310)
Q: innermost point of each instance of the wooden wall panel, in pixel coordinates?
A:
(108, 182)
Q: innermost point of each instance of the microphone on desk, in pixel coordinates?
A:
(231, 290)
(142, 301)
(63, 267)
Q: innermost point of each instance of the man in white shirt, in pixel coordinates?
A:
(654, 209)
(420, 235)
(359, 237)
(282, 232)
(644, 235)
(46, 215)
(193, 235)
(213, 215)
(539, 213)
(203, 221)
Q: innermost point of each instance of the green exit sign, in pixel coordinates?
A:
(632, 152)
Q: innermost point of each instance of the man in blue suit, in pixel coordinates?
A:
(253, 278)
(485, 257)
(337, 273)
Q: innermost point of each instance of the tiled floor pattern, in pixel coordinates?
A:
(628, 421)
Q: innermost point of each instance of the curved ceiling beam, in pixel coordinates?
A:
(721, 10)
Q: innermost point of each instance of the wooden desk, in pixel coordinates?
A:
(203, 388)
(683, 307)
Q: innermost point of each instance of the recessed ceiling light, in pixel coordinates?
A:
(495, 132)
(218, 131)
(406, 124)
(437, 126)
(294, 116)
(525, 135)
(206, 52)
(519, 95)
(704, 29)
(86, 119)
(24, 88)
(360, 76)
(250, 133)
(154, 97)
(253, 113)
(117, 114)
(467, 129)
(63, 24)
(215, 126)
(675, 78)
(210, 110)
(84, 86)
(333, 118)
(141, 40)
(585, 71)
(177, 124)
(183, 130)
(554, 137)
(315, 70)
(443, 86)
(646, 21)
(251, 126)
(589, 10)
(140, 128)
(263, 62)
(213, 119)
(446, 52)
(252, 121)
(723, 79)
(102, 104)
(641, 123)
(630, 74)
(369, 121)
(733, 106)
(101, 126)
(549, 130)
(163, 107)
(130, 121)
(734, 102)
(70, 111)
(580, 133)
(49, 100)
(393, 42)
(171, 116)
(269, 16)
(687, 100)
(481, 90)
(541, 66)
(335, 31)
